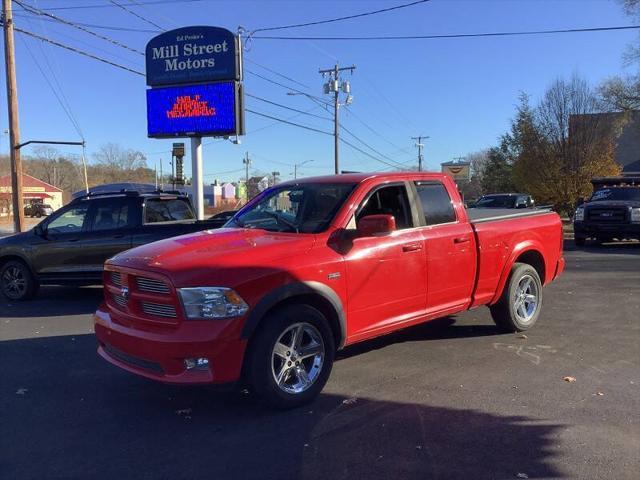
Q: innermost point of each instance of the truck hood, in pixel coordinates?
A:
(222, 257)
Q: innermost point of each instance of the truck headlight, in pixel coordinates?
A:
(202, 303)
(635, 215)
(579, 215)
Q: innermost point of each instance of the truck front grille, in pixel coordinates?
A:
(116, 279)
(152, 286)
(159, 310)
(607, 214)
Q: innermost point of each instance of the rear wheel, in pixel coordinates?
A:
(519, 306)
(291, 356)
(16, 281)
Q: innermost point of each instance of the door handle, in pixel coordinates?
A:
(461, 240)
(412, 247)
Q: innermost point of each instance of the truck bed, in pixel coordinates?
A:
(478, 215)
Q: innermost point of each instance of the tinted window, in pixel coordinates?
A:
(616, 193)
(496, 201)
(390, 200)
(167, 210)
(110, 216)
(70, 221)
(436, 203)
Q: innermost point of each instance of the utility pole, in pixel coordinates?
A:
(420, 146)
(295, 168)
(247, 162)
(14, 122)
(275, 177)
(334, 86)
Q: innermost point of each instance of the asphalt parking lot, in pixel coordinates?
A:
(449, 399)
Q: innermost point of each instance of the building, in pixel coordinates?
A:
(627, 153)
(34, 190)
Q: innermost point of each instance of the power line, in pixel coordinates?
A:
(36, 11)
(93, 25)
(274, 82)
(339, 19)
(367, 145)
(460, 35)
(131, 12)
(76, 50)
(248, 60)
(367, 153)
(152, 2)
(288, 122)
(371, 129)
(302, 112)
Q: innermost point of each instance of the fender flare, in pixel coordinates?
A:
(520, 248)
(12, 254)
(292, 290)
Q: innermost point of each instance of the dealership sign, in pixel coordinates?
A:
(192, 55)
(458, 170)
(194, 110)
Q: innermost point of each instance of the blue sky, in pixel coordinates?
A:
(460, 92)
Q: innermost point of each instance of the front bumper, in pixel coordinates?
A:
(616, 230)
(160, 354)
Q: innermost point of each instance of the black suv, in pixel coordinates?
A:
(37, 210)
(71, 245)
(612, 212)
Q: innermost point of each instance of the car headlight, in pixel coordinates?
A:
(635, 215)
(579, 216)
(202, 303)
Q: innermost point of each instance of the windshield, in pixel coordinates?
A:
(496, 201)
(306, 208)
(616, 193)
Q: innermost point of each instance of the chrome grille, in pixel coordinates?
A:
(116, 279)
(120, 300)
(152, 286)
(607, 214)
(159, 310)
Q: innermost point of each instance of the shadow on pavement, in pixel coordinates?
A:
(67, 413)
(624, 248)
(54, 302)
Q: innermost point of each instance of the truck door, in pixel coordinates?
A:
(450, 249)
(109, 232)
(386, 276)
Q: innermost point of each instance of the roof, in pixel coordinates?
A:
(29, 181)
(360, 177)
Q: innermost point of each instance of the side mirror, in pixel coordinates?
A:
(375, 225)
(39, 230)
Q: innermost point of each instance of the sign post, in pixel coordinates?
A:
(195, 75)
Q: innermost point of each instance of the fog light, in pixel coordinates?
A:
(201, 363)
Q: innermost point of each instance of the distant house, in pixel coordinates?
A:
(228, 191)
(33, 190)
(627, 153)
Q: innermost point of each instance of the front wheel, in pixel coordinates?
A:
(291, 357)
(519, 306)
(17, 282)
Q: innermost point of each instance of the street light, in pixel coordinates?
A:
(295, 168)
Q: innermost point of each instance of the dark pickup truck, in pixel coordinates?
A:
(71, 245)
(612, 212)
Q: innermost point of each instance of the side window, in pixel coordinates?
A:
(69, 221)
(436, 203)
(167, 210)
(391, 200)
(110, 215)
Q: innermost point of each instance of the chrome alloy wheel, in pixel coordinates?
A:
(14, 282)
(297, 358)
(526, 299)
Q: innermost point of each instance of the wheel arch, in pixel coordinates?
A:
(315, 294)
(15, 256)
(529, 253)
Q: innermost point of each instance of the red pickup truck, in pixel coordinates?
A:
(310, 266)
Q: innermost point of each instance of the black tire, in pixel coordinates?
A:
(263, 361)
(580, 241)
(508, 312)
(17, 283)
(38, 214)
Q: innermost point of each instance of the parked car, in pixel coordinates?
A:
(312, 265)
(612, 212)
(505, 200)
(71, 245)
(37, 210)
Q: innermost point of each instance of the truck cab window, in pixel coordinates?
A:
(69, 221)
(436, 203)
(391, 200)
(167, 210)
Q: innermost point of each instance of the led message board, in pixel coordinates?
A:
(213, 109)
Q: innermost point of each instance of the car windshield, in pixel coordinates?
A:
(616, 193)
(496, 201)
(303, 208)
